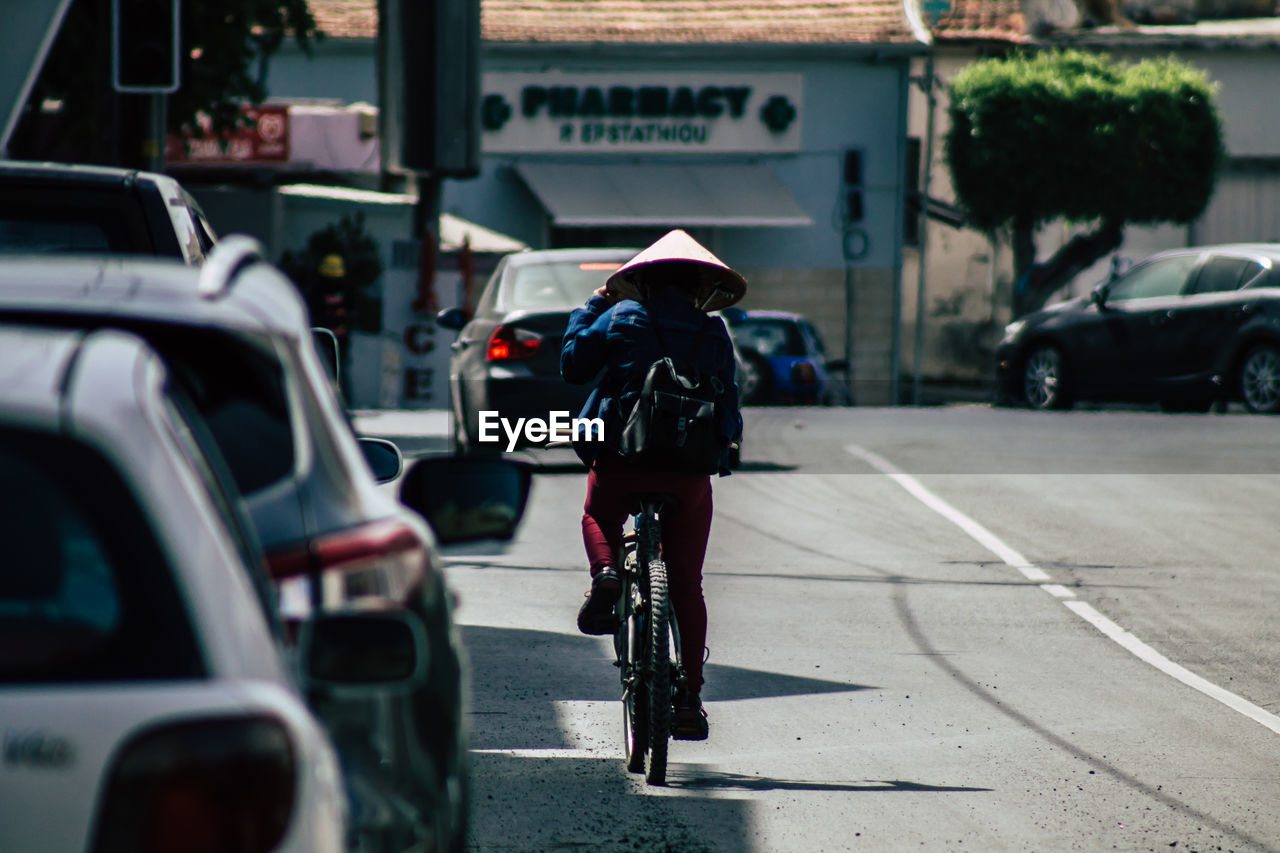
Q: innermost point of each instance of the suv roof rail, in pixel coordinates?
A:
(229, 257)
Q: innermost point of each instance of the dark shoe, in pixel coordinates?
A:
(596, 617)
(689, 722)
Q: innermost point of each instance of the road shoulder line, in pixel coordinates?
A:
(1110, 629)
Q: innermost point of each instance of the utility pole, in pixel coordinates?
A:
(934, 9)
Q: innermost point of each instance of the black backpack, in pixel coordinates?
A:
(674, 425)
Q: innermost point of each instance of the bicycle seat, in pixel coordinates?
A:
(636, 502)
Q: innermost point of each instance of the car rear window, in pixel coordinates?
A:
(54, 237)
(770, 338)
(86, 594)
(239, 391)
(553, 286)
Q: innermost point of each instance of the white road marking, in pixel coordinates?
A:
(1110, 629)
(546, 752)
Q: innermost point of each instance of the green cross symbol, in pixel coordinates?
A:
(935, 9)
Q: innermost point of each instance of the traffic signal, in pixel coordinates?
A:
(851, 188)
(144, 45)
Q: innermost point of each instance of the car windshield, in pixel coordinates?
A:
(770, 337)
(553, 286)
(85, 591)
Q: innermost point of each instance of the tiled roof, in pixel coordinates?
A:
(346, 19)
(657, 22)
(982, 20)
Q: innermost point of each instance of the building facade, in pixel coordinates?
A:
(774, 133)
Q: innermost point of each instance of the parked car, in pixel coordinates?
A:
(506, 358)
(57, 208)
(785, 358)
(235, 335)
(146, 698)
(1184, 328)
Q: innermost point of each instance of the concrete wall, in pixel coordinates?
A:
(342, 70)
(821, 296)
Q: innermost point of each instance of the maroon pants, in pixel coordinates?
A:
(611, 482)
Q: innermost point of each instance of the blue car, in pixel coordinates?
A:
(785, 360)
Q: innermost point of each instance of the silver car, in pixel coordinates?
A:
(235, 335)
(146, 700)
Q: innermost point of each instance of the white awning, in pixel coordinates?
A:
(593, 196)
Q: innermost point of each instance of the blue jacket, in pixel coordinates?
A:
(620, 340)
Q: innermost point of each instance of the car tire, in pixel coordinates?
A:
(1044, 380)
(1258, 379)
(761, 390)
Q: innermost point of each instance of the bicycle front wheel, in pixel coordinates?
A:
(659, 672)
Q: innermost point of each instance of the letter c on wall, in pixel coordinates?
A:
(418, 339)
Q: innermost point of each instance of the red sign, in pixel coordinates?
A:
(266, 142)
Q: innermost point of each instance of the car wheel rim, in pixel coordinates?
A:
(1260, 381)
(1041, 378)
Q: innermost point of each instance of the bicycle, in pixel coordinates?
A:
(647, 642)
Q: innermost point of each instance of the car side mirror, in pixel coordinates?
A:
(326, 343)
(451, 318)
(733, 315)
(1099, 296)
(467, 499)
(384, 458)
(356, 654)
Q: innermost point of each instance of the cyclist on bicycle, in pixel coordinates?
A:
(677, 280)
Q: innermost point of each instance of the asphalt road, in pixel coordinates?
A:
(946, 629)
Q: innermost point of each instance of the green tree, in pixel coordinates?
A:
(226, 45)
(1077, 136)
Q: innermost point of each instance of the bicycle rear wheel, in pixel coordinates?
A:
(659, 668)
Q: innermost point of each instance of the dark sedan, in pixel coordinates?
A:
(1184, 328)
(506, 360)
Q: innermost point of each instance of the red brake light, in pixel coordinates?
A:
(218, 785)
(508, 344)
(348, 550)
(598, 266)
(803, 374)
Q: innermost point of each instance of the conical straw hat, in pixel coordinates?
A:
(721, 288)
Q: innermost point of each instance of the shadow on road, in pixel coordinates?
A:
(682, 778)
(535, 669)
